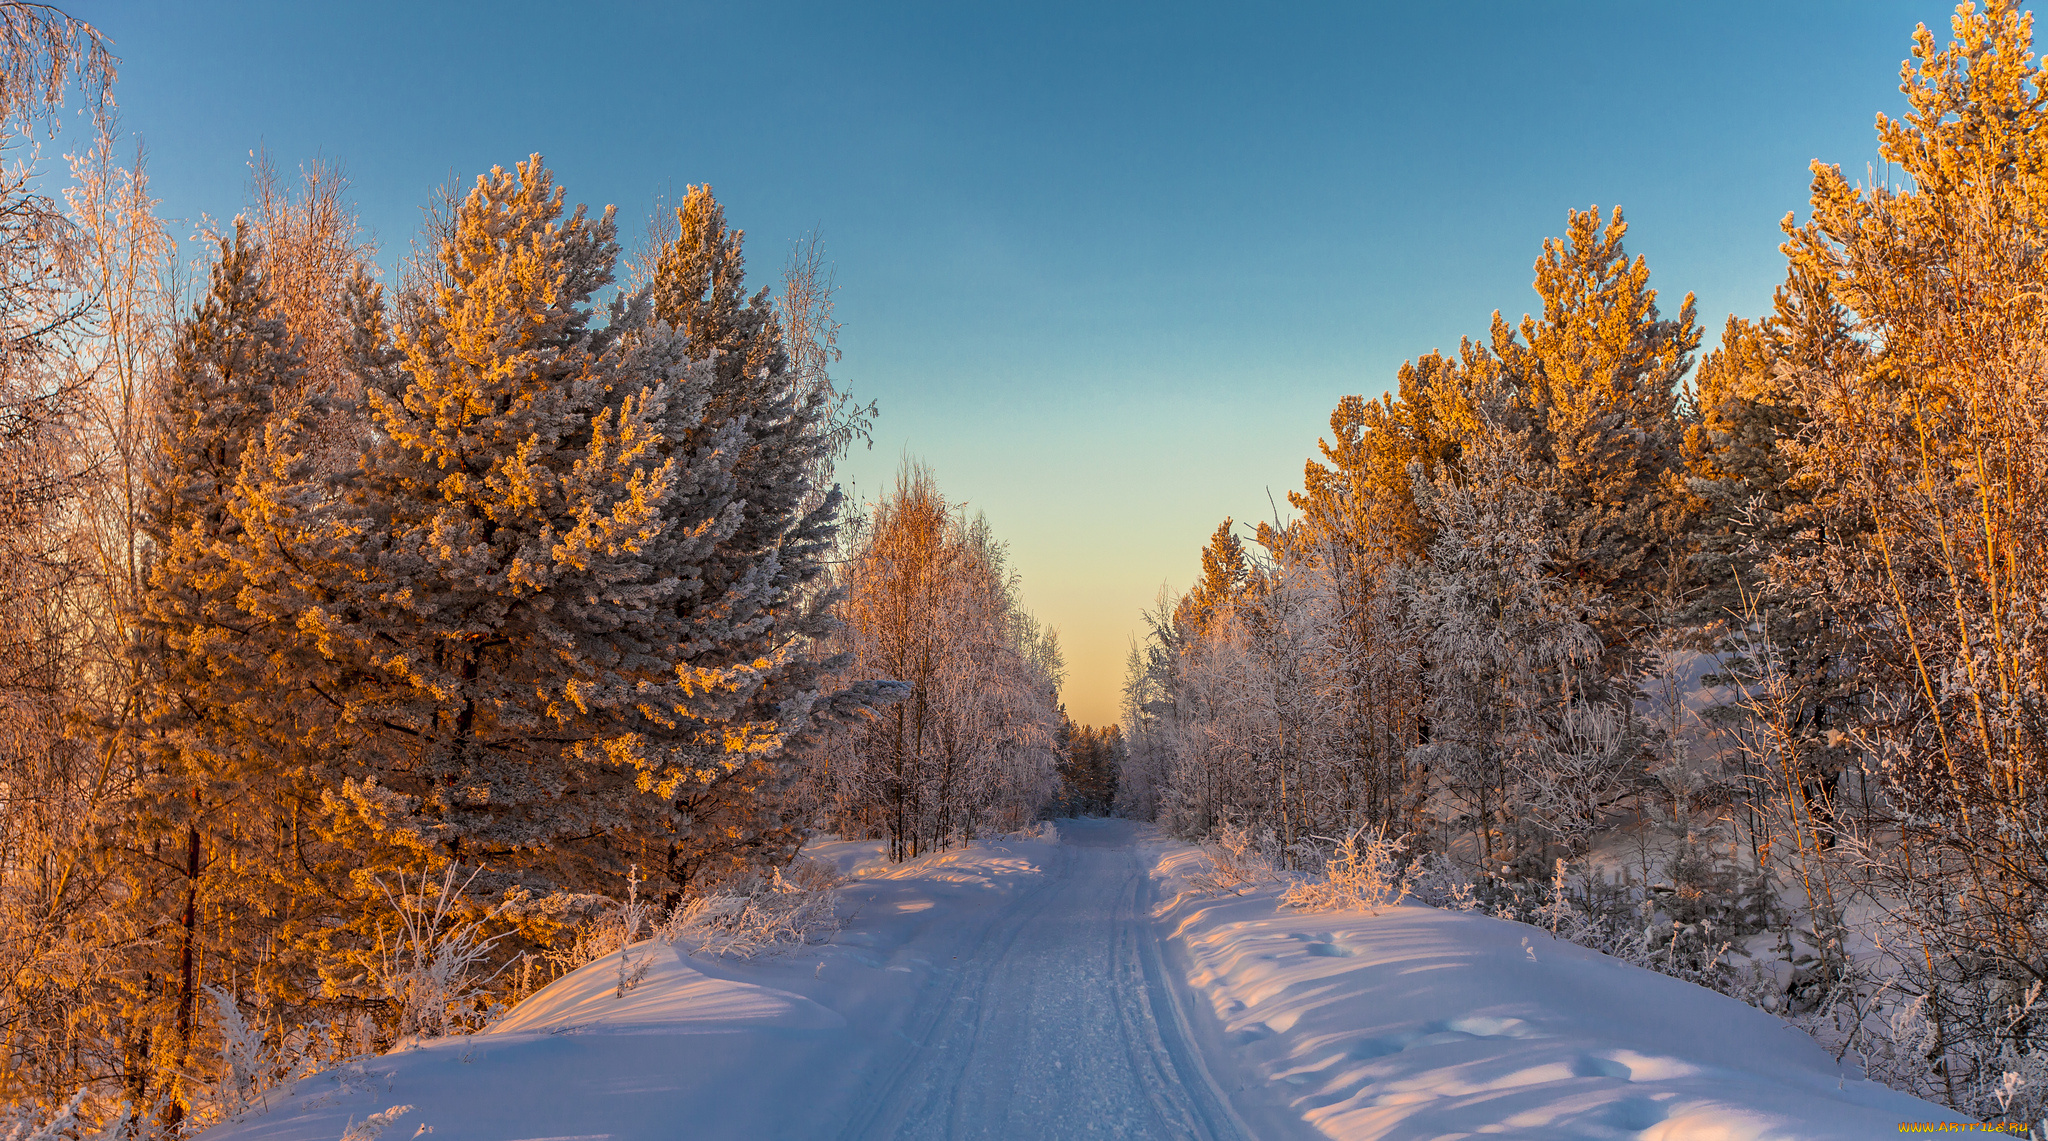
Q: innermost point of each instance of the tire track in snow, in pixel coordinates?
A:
(1060, 1022)
(887, 1104)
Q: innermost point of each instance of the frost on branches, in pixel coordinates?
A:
(1758, 648)
(564, 618)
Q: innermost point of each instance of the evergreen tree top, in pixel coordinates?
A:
(1600, 333)
(232, 357)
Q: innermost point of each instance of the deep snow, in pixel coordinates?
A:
(1029, 988)
(1421, 1023)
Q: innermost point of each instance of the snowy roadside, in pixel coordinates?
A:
(1418, 1023)
(779, 1046)
(980, 990)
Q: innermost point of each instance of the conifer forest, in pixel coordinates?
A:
(394, 640)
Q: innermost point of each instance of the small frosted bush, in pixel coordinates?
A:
(759, 914)
(1362, 873)
(1235, 863)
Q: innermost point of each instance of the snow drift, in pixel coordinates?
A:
(1421, 1023)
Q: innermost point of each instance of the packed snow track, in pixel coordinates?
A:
(1058, 1022)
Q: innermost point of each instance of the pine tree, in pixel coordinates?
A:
(699, 288)
(1225, 574)
(213, 777)
(1751, 506)
(1090, 758)
(1598, 375)
(758, 593)
(1748, 499)
(1361, 526)
(493, 609)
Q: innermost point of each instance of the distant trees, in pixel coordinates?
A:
(1452, 623)
(1089, 759)
(971, 745)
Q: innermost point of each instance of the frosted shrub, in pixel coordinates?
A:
(1235, 863)
(1044, 830)
(372, 1127)
(1684, 928)
(759, 914)
(66, 1123)
(1557, 909)
(1364, 872)
(1438, 881)
(1577, 769)
(616, 929)
(1999, 1076)
(431, 968)
(248, 1067)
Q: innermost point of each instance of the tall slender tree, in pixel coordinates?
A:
(210, 717)
(1927, 453)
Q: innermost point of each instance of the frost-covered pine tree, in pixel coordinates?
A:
(755, 594)
(211, 772)
(1513, 740)
(1597, 377)
(525, 613)
(503, 626)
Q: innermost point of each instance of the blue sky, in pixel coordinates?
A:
(1106, 267)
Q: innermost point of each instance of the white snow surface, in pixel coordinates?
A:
(1063, 988)
(1421, 1023)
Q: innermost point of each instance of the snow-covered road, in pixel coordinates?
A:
(1058, 1020)
(1014, 988)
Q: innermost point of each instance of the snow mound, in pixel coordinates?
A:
(673, 995)
(1422, 1023)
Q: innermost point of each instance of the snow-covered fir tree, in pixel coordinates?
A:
(214, 778)
(755, 594)
(534, 623)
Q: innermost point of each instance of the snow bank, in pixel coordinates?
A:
(1411, 1024)
(674, 1057)
(782, 1046)
(1420, 1023)
(671, 996)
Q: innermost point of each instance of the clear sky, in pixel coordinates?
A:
(1107, 267)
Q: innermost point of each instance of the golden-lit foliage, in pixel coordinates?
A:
(1843, 510)
(970, 745)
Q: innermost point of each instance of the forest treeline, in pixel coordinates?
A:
(1764, 627)
(373, 652)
